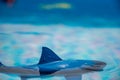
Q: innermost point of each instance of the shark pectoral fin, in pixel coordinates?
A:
(73, 77)
(23, 78)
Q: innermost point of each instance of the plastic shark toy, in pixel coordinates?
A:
(52, 65)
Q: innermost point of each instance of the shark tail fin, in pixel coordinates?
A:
(48, 56)
(1, 64)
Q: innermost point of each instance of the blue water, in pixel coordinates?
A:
(93, 13)
(79, 29)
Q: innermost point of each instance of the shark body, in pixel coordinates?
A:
(52, 65)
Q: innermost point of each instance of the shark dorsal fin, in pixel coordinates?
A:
(48, 56)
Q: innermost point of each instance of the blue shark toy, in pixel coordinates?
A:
(52, 65)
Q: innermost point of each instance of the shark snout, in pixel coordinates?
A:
(96, 66)
(99, 65)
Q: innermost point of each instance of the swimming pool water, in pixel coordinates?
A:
(21, 45)
(74, 29)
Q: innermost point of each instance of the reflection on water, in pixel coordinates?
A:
(21, 45)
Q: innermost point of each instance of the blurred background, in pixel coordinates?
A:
(74, 29)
